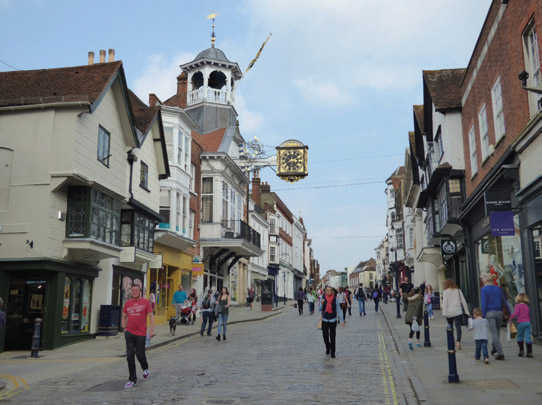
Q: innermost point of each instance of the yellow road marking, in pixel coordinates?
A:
(17, 387)
(388, 370)
(384, 377)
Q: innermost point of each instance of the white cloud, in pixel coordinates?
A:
(321, 91)
(159, 75)
(249, 121)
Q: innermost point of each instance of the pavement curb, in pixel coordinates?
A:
(2, 385)
(176, 338)
(415, 383)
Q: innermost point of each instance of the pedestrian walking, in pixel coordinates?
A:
(376, 297)
(493, 306)
(207, 312)
(522, 316)
(454, 308)
(341, 297)
(481, 335)
(386, 293)
(311, 299)
(300, 297)
(348, 295)
(428, 299)
(330, 312)
(359, 293)
(250, 297)
(193, 298)
(222, 310)
(413, 316)
(178, 300)
(134, 322)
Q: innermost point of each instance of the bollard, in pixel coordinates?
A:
(398, 304)
(426, 337)
(35, 353)
(452, 365)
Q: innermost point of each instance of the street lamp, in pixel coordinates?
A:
(397, 295)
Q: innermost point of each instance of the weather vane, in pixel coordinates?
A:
(212, 17)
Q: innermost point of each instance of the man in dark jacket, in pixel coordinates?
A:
(300, 297)
(359, 293)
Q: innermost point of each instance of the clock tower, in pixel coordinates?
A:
(210, 89)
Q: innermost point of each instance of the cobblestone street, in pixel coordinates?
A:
(276, 361)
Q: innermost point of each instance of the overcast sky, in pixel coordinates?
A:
(339, 75)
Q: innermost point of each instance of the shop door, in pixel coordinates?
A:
(26, 302)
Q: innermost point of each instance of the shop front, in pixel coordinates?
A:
(57, 292)
(164, 281)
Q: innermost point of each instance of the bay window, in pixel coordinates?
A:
(207, 200)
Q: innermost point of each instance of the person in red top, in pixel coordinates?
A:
(134, 323)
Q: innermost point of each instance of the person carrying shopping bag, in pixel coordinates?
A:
(454, 308)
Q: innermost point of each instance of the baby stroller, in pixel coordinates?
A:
(182, 317)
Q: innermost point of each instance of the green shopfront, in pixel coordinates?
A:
(57, 292)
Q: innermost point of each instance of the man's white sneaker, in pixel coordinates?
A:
(129, 384)
(146, 374)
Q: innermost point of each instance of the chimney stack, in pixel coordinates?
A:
(91, 58)
(182, 89)
(102, 55)
(111, 57)
(256, 193)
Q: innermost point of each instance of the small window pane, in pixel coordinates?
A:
(454, 185)
(144, 176)
(103, 146)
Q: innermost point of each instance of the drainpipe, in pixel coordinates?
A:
(131, 159)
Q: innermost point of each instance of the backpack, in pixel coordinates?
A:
(375, 294)
(360, 294)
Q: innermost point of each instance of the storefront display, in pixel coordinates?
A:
(501, 258)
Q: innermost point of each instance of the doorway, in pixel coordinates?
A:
(26, 302)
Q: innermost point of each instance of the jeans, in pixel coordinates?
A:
(222, 321)
(349, 310)
(457, 321)
(178, 311)
(207, 316)
(311, 307)
(344, 308)
(481, 344)
(300, 306)
(376, 304)
(429, 308)
(361, 305)
(494, 319)
(135, 346)
(329, 331)
(524, 332)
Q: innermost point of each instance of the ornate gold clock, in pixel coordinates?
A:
(292, 158)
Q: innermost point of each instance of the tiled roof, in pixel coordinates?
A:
(143, 115)
(445, 87)
(418, 114)
(210, 142)
(70, 84)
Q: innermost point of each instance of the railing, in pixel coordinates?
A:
(238, 229)
(208, 94)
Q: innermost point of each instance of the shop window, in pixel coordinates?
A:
(500, 257)
(76, 306)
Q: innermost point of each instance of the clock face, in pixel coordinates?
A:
(291, 161)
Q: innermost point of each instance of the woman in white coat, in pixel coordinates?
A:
(454, 306)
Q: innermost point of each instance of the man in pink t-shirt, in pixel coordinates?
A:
(134, 322)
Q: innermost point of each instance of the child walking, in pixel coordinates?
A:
(480, 325)
(521, 313)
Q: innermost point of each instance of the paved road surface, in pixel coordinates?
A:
(277, 361)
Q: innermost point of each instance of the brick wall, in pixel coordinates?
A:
(504, 58)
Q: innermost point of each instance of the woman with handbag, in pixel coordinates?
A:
(454, 308)
(413, 317)
(222, 310)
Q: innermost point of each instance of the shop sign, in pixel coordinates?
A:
(498, 200)
(448, 247)
(502, 223)
(197, 268)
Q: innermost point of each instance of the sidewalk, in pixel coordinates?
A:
(114, 346)
(501, 382)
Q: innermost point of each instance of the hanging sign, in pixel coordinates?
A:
(448, 247)
(501, 223)
(498, 200)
